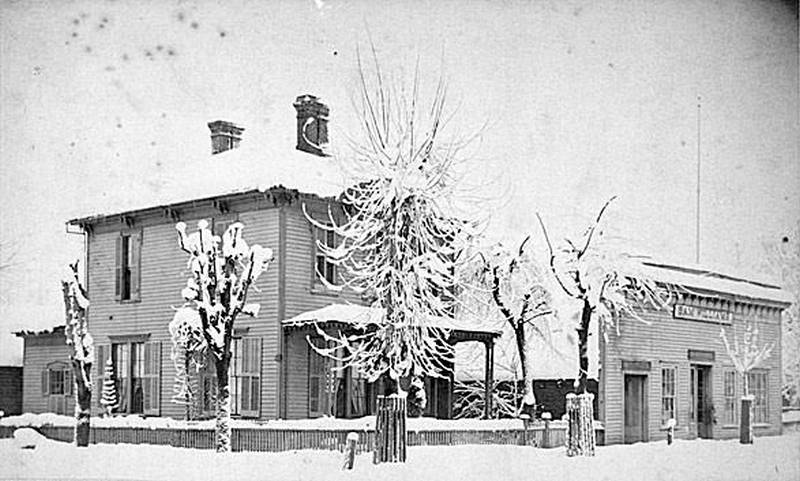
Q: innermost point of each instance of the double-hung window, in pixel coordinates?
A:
(757, 381)
(323, 267)
(729, 391)
(127, 271)
(668, 394)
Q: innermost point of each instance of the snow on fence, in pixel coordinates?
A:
(254, 439)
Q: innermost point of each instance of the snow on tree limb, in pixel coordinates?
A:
(747, 354)
(398, 240)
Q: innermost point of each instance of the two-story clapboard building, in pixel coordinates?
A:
(135, 271)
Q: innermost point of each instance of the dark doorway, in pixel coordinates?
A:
(702, 408)
(635, 415)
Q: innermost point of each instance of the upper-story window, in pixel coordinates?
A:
(128, 266)
(323, 267)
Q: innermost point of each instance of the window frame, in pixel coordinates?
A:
(760, 393)
(329, 270)
(128, 266)
(730, 406)
(672, 397)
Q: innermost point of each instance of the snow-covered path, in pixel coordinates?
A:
(770, 458)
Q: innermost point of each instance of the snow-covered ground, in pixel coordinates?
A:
(770, 458)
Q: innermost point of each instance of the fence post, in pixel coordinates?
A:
(390, 430)
(580, 427)
(546, 434)
(350, 450)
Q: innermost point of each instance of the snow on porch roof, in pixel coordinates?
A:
(361, 315)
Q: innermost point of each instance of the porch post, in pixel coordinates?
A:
(489, 378)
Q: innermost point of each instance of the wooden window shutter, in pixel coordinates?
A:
(151, 379)
(136, 265)
(68, 381)
(101, 353)
(45, 382)
(118, 273)
(251, 377)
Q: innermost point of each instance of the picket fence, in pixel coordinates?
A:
(274, 440)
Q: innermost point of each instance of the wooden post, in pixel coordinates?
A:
(745, 421)
(546, 434)
(390, 430)
(350, 451)
(580, 424)
(489, 378)
(526, 419)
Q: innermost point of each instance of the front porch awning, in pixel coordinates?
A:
(350, 316)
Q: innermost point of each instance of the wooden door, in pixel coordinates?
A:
(635, 419)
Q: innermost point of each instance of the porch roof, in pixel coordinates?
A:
(355, 316)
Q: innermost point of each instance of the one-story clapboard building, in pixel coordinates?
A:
(134, 270)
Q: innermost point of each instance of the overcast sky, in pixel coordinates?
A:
(580, 101)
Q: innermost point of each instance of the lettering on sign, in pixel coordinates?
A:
(703, 314)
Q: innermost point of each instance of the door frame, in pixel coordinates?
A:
(704, 369)
(645, 405)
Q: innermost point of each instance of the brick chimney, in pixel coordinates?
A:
(224, 136)
(312, 124)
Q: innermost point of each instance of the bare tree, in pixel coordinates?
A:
(400, 242)
(607, 284)
(81, 353)
(783, 260)
(518, 291)
(222, 272)
(746, 354)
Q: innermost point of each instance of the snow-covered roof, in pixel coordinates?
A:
(361, 315)
(57, 330)
(700, 277)
(264, 160)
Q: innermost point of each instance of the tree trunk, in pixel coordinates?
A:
(580, 425)
(528, 405)
(83, 401)
(583, 344)
(390, 430)
(223, 428)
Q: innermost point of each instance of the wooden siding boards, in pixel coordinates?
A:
(297, 376)
(164, 274)
(37, 354)
(665, 341)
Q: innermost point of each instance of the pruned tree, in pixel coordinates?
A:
(400, 243)
(81, 352)
(746, 353)
(518, 291)
(221, 274)
(608, 285)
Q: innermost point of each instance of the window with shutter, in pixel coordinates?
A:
(127, 272)
(45, 382)
(135, 266)
(102, 352)
(151, 378)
